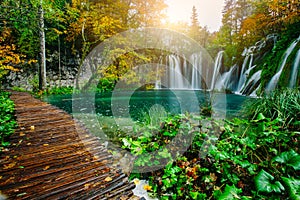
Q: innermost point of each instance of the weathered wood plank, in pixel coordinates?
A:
(52, 157)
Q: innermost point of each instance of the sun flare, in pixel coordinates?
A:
(209, 12)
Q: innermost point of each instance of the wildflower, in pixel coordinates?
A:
(147, 187)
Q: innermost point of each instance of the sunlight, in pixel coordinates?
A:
(209, 12)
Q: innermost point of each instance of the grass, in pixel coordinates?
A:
(282, 104)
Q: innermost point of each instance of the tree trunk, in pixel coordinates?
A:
(42, 69)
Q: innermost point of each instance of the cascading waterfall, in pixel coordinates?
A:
(252, 83)
(294, 71)
(218, 64)
(189, 73)
(157, 82)
(196, 71)
(243, 74)
(274, 81)
(227, 80)
(175, 74)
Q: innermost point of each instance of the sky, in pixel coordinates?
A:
(209, 12)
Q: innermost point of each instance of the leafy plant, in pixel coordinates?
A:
(230, 193)
(281, 104)
(293, 187)
(264, 182)
(289, 158)
(7, 120)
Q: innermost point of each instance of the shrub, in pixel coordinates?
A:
(7, 120)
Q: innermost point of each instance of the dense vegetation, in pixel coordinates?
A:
(7, 119)
(73, 28)
(256, 157)
(252, 158)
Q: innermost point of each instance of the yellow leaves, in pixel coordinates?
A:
(32, 128)
(46, 167)
(213, 177)
(108, 179)
(10, 165)
(87, 186)
(57, 31)
(32, 61)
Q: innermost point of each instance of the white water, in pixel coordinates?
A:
(158, 80)
(243, 75)
(225, 80)
(218, 64)
(274, 81)
(294, 71)
(175, 74)
(252, 81)
(190, 73)
(196, 60)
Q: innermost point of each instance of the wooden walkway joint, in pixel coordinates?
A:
(48, 159)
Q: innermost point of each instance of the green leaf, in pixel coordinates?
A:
(230, 192)
(264, 183)
(194, 195)
(290, 158)
(260, 117)
(164, 153)
(293, 187)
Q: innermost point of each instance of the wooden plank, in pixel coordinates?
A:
(53, 157)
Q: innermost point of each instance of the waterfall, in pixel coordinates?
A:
(245, 76)
(274, 81)
(175, 73)
(252, 83)
(227, 79)
(218, 64)
(245, 67)
(196, 60)
(294, 71)
(158, 80)
(190, 72)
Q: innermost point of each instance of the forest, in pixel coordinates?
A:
(72, 28)
(252, 154)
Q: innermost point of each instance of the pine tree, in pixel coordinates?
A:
(195, 29)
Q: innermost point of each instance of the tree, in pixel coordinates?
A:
(195, 29)
(28, 20)
(42, 68)
(147, 13)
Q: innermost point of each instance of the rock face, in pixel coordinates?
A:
(28, 79)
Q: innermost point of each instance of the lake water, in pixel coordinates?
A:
(135, 104)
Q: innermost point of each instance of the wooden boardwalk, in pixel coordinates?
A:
(49, 160)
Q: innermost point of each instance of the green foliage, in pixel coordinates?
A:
(59, 90)
(264, 183)
(7, 120)
(289, 158)
(282, 105)
(54, 91)
(293, 187)
(149, 138)
(249, 158)
(230, 193)
(106, 84)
